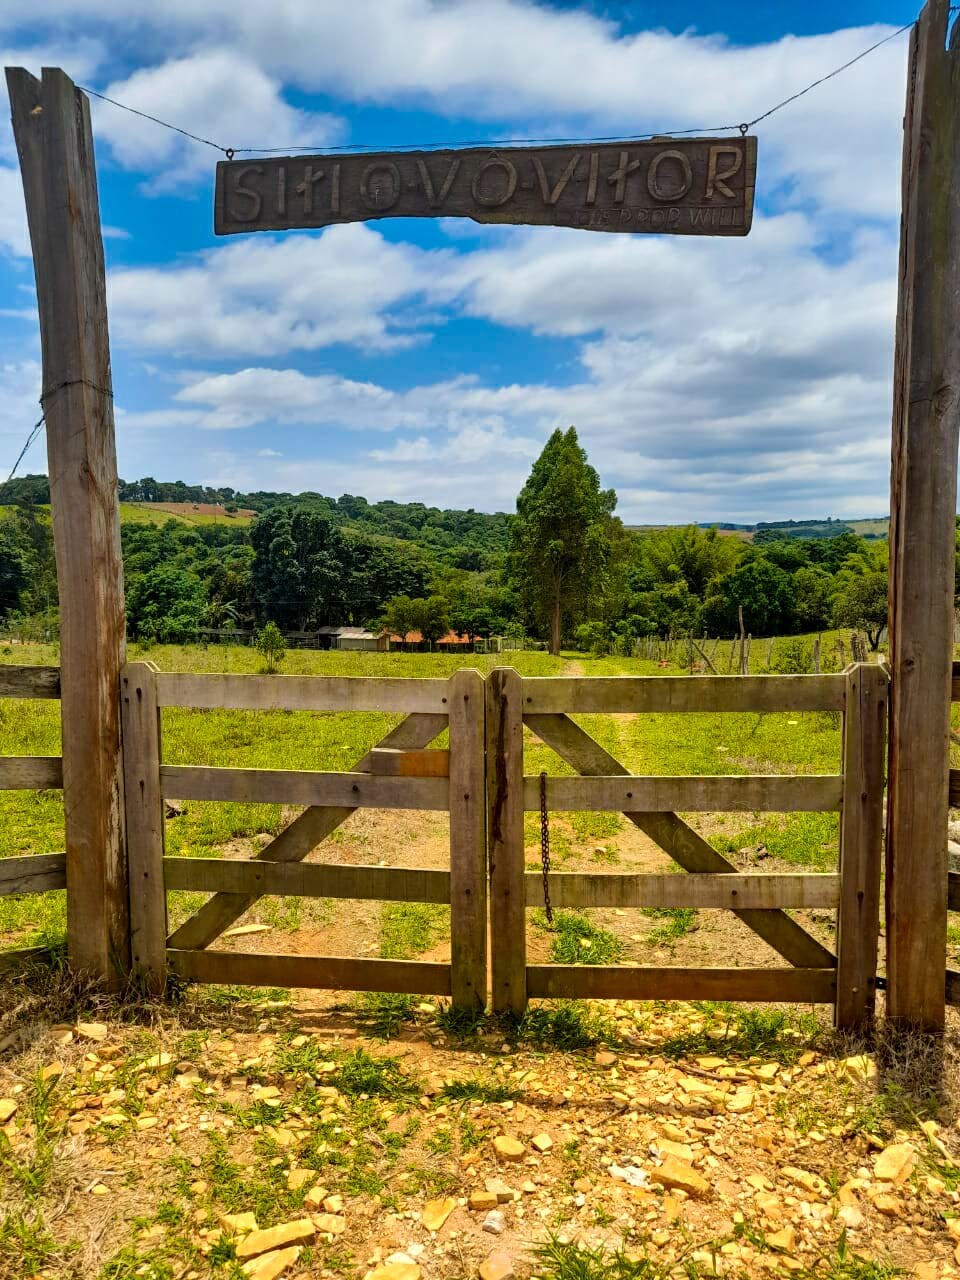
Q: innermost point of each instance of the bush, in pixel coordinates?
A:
(270, 646)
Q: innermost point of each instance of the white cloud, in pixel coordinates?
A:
(263, 296)
(220, 95)
(526, 68)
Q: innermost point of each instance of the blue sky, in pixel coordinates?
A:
(417, 360)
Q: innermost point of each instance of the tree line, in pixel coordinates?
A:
(563, 568)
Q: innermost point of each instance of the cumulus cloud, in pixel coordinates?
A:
(263, 296)
(529, 67)
(221, 95)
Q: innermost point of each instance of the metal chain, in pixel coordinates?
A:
(545, 846)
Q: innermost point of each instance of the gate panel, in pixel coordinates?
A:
(413, 779)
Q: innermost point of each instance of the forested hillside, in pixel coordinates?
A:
(563, 568)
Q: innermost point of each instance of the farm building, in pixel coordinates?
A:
(351, 638)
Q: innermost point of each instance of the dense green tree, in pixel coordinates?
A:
(561, 535)
(166, 604)
(400, 617)
(14, 569)
(765, 592)
(299, 573)
(812, 588)
(861, 603)
(432, 618)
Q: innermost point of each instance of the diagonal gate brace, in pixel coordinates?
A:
(680, 841)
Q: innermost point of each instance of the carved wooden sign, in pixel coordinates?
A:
(682, 186)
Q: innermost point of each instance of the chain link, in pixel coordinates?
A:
(545, 847)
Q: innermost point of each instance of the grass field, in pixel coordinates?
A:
(656, 744)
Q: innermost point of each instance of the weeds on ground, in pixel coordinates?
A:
(778, 1034)
(565, 1025)
(578, 941)
(383, 1013)
(26, 1245)
(461, 1024)
(408, 929)
(557, 1260)
(677, 921)
(473, 1089)
(360, 1074)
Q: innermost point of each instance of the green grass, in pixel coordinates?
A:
(407, 929)
(576, 940)
(677, 921)
(730, 1029)
(564, 1025)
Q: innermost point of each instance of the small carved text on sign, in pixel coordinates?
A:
(688, 186)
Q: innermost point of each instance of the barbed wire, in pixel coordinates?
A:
(34, 432)
(742, 127)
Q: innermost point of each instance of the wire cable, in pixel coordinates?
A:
(34, 432)
(301, 148)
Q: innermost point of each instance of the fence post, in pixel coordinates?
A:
(468, 832)
(861, 825)
(508, 916)
(140, 718)
(51, 123)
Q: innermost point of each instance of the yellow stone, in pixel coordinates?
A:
(678, 1175)
(316, 1196)
(395, 1271)
(805, 1180)
(860, 1068)
(330, 1224)
(333, 1204)
(682, 1150)
(92, 1030)
(8, 1107)
(436, 1212)
(887, 1204)
(509, 1148)
(482, 1200)
(298, 1178)
(270, 1265)
(784, 1241)
(542, 1143)
(239, 1223)
(498, 1266)
(300, 1231)
(741, 1101)
(894, 1163)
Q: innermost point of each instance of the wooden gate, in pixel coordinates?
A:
(846, 979)
(399, 773)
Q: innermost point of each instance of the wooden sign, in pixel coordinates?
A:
(681, 186)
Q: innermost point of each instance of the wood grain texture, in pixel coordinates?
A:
(579, 695)
(681, 186)
(468, 841)
(623, 982)
(861, 844)
(297, 840)
(31, 773)
(35, 873)
(302, 786)
(334, 973)
(681, 842)
(629, 794)
(952, 987)
(953, 890)
(29, 682)
(410, 764)
(302, 693)
(762, 892)
(140, 718)
(51, 120)
(307, 879)
(508, 920)
(923, 503)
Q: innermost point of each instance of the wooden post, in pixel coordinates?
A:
(51, 123)
(861, 827)
(508, 917)
(468, 842)
(144, 812)
(923, 503)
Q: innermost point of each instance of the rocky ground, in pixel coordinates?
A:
(254, 1135)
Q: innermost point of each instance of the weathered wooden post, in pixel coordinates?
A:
(508, 914)
(468, 834)
(51, 124)
(923, 504)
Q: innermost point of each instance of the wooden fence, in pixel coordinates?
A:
(847, 979)
(399, 773)
(480, 781)
(35, 873)
(953, 877)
